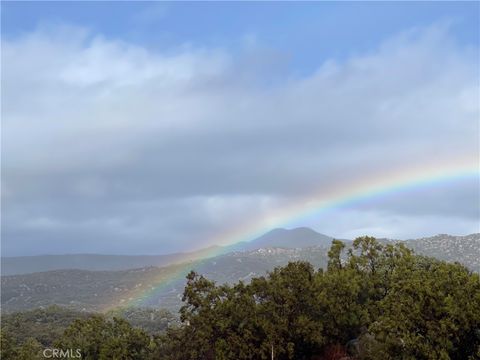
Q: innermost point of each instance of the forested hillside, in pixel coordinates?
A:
(377, 301)
(463, 249)
(98, 290)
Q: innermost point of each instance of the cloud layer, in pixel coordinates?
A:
(112, 147)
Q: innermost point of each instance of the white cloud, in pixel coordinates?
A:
(92, 125)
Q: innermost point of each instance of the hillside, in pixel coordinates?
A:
(464, 249)
(100, 290)
(375, 302)
(285, 238)
(97, 262)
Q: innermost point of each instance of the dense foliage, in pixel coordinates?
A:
(378, 302)
(373, 301)
(45, 325)
(25, 334)
(153, 321)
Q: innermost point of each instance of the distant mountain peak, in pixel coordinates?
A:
(296, 229)
(299, 237)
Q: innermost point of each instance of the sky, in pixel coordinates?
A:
(157, 127)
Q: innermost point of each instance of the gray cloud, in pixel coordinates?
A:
(105, 142)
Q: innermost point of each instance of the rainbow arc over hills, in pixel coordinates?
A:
(322, 200)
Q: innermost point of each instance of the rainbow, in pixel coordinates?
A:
(317, 203)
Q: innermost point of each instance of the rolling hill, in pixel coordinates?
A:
(101, 290)
(294, 238)
(98, 262)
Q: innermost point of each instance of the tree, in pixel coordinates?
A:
(98, 338)
(287, 309)
(377, 301)
(431, 312)
(335, 255)
(7, 346)
(374, 301)
(30, 350)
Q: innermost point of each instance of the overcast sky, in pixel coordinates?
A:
(149, 128)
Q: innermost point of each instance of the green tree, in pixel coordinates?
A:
(30, 350)
(7, 346)
(288, 312)
(378, 301)
(98, 338)
(431, 312)
(374, 301)
(335, 255)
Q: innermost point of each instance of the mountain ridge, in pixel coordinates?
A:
(300, 237)
(96, 290)
(279, 237)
